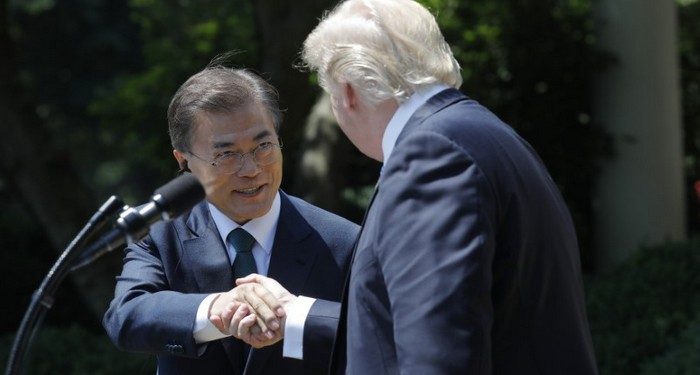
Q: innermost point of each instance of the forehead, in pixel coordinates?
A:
(249, 123)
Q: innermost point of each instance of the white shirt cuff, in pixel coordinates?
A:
(297, 311)
(204, 330)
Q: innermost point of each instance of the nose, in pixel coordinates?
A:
(249, 167)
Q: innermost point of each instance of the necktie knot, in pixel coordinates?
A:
(241, 240)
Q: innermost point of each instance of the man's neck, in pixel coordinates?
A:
(402, 114)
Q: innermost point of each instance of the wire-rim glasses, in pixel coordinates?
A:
(229, 162)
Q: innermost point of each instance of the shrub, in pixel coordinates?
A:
(76, 350)
(682, 358)
(638, 311)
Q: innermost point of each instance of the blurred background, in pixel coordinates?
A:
(607, 91)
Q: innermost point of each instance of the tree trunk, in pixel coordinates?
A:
(320, 172)
(282, 28)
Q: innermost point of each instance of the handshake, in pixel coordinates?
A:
(254, 311)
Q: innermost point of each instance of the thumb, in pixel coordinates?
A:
(252, 278)
(270, 284)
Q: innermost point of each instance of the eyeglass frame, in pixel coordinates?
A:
(241, 156)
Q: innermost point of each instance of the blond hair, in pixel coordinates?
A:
(384, 48)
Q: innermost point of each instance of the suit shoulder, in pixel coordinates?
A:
(477, 131)
(324, 221)
(470, 117)
(179, 227)
(315, 213)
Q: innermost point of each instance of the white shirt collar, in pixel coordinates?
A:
(262, 228)
(403, 114)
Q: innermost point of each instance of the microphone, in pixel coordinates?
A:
(167, 202)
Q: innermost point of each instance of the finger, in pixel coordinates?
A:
(255, 342)
(270, 284)
(271, 300)
(252, 278)
(244, 327)
(276, 290)
(229, 310)
(257, 301)
(273, 286)
(240, 314)
(269, 335)
(259, 341)
(227, 314)
(257, 334)
(218, 323)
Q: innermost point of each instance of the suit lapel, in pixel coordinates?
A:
(291, 259)
(205, 253)
(290, 263)
(338, 355)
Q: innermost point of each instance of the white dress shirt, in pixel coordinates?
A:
(263, 229)
(298, 310)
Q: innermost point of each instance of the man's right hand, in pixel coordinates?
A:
(242, 324)
(262, 296)
(265, 306)
(271, 286)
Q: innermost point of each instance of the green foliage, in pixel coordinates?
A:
(67, 51)
(25, 258)
(689, 49)
(532, 63)
(683, 357)
(75, 350)
(358, 197)
(178, 39)
(638, 311)
(35, 6)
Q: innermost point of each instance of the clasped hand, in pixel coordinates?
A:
(253, 311)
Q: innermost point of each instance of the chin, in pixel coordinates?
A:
(253, 211)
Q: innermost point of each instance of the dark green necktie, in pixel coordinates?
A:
(242, 242)
(243, 265)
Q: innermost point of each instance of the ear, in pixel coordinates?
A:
(181, 159)
(350, 99)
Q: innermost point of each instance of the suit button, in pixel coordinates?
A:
(174, 348)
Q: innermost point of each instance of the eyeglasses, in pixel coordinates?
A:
(229, 162)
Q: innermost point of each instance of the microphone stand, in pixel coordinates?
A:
(43, 298)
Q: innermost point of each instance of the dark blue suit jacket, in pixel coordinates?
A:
(166, 276)
(467, 262)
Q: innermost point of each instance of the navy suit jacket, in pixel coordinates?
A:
(166, 276)
(467, 262)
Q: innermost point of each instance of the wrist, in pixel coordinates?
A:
(211, 305)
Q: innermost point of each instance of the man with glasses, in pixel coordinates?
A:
(224, 126)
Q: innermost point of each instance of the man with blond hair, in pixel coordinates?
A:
(467, 262)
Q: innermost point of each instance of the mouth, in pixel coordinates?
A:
(250, 192)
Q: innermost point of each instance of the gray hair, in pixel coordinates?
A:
(218, 89)
(384, 48)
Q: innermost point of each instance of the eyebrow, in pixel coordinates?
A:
(226, 144)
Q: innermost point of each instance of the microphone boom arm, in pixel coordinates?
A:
(43, 298)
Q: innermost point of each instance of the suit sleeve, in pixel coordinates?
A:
(435, 250)
(145, 315)
(320, 328)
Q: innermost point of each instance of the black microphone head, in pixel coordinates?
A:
(179, 195)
